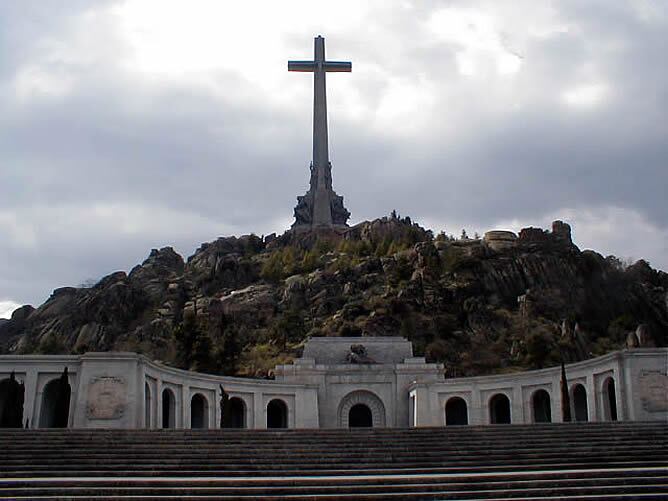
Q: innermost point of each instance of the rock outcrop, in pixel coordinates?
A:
(239, 304)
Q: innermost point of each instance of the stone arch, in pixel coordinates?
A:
(147, 405)
(277, 414)
(367, 398)
(236, 417)
(541, 406)
(579, 400)
(609, 400)
(168, 408)
(12, 395)
(499, 409)
(199, 411)
(55, 410)
(456, 412)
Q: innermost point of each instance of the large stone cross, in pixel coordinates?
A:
(321, 197)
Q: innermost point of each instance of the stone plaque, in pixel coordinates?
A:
(107, 398)
(654, 391)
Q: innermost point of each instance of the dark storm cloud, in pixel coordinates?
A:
(101, 163)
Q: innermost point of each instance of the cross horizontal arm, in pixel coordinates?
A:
(337, 66)
(301, 65)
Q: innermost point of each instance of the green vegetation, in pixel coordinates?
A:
(51, 344)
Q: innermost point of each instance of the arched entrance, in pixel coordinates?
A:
(579, 399)
(168, 409)
(609, 400)
(541, 407)
(236, 417)
(147, 406)
(366, 399)
(499, 409)
(277, 414)
(55, 411)
(12, 395)
(199, 411)
(360, 416)
(456, 412)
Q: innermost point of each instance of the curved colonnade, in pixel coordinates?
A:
(125, 390)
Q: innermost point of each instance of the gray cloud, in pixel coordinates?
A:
(100, 162)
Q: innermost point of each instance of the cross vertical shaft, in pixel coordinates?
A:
(320, 206)
(320, 133)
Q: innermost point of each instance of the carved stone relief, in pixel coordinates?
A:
(654, 391)
(107, 398)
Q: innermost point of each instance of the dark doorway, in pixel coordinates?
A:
(277, 414)
(55, 410)
(199, 412)
(542, 407)
(611, 400)
(499, 409)
(168, 409)
(12, 395)
(580, 403)
(360, 416)
(236, 417)
(456, 413)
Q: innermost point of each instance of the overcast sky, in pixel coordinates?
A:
(134, 124)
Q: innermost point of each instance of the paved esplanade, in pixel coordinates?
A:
(320, 206)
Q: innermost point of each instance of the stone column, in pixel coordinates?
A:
(592, 407)
(30, 400)
(557, 411)
(477, 412)
(259, 412)
(517, 406)
(184, 415)
(158, 403)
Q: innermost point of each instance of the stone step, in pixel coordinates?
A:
(46, 444)
(334, 457)
(573, 474)
(413, 496)
(28, 437)
(207, 470)
(567, 461)
(508, 490)
(535, 479)
(270, 463)
(501, 430)
(463, 490)
(310, 470)
(261, 435)
(222, 451)
(625, 474)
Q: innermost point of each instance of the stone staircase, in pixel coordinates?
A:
(559, 461)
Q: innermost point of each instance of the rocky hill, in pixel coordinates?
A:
(240, 305)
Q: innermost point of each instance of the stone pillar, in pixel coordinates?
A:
(477, 412)
(592, 407)
(517, 406)
(620, 392)
(259, 412)
(30, 400)
(182, 408)
(158, 403)
(557, 412)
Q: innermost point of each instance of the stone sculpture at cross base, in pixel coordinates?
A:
(320, 207)
(306, 205)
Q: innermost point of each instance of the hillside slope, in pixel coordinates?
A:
(241, 305)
